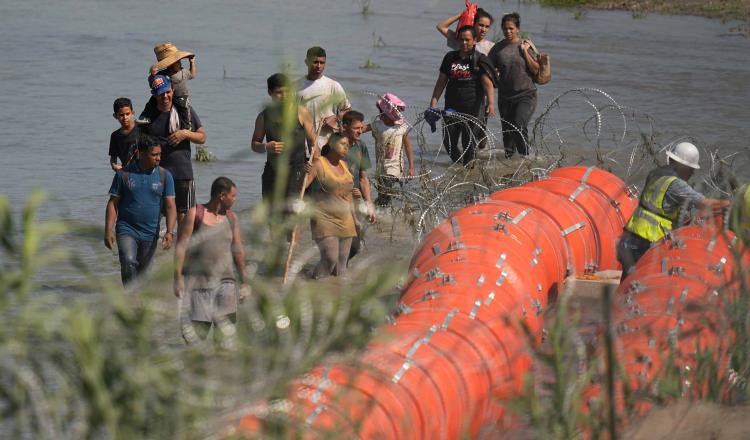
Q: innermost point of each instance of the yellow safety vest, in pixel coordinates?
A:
(650, 220)
(739, 217)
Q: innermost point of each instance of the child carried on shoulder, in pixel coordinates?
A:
(169, 63)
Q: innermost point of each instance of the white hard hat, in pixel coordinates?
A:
(686, 154)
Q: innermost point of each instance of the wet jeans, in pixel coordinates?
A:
(135, 256)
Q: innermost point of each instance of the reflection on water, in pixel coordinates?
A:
(65, 62)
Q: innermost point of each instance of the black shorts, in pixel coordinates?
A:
(292, 186)
(184, 194)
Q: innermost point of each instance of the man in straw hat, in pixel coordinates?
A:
(169, 63)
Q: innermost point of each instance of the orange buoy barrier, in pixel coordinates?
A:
(477, 286)
(671, 311)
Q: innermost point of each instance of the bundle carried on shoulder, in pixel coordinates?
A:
(545, 69)
(467, 17)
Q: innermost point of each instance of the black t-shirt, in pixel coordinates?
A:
(175, 158)
(123, 146)
(464, 91)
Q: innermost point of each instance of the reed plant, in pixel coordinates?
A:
(111, 365)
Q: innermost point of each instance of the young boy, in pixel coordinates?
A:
(123, 143)
(169, 63)
(391, 138)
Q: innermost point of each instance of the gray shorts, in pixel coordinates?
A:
(207, 305)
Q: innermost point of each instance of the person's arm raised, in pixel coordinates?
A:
(444, 26)
(193, 71)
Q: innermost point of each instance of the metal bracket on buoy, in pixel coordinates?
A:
(403, 309)
(676, 243)
(316, 412)
(537, 305)
(436, 249)
(683, 295)
(503, 215)
(404, 368)
(448, 279)
(454, 246)
(448, 318)
(676, 270)
(500, 227)
(501, 279)
(578, 192)
(586, 175)
(501, 260)
(490, 298)
(520, 216)
(711, 244)
(534, 260)
(430, 294)
(475, 309)
(433, 273)
(454, 226)
(718, 267)
(573, 228)
(670, 305)
(480, 280)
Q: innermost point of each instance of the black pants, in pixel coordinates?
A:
(630, 249)
(469, 128)
(515, 116)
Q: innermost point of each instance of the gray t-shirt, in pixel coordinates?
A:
(514, 80)
(179, 83)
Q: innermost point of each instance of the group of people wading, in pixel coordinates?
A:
(312, 140)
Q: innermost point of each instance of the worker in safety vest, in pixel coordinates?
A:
(666, 192)
(739, 216)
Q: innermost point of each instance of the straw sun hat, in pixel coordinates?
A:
(167, 54)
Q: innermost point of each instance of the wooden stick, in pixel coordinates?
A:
(293, 239)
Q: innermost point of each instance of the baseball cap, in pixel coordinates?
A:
(159, 84)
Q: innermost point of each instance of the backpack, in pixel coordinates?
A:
(162, 178)
(545, 69)
(200, 211)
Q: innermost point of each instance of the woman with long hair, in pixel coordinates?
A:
(516, 64)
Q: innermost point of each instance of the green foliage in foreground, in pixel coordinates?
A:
(111, 365)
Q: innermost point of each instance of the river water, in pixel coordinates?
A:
(64, 62)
